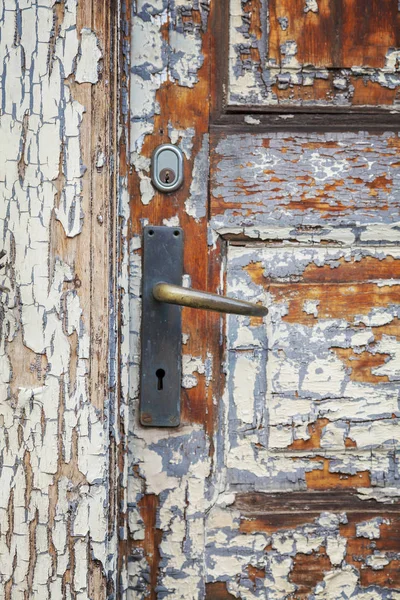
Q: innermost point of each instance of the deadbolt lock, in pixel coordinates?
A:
(167, 168)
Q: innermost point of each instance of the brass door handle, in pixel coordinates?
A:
(175, 294)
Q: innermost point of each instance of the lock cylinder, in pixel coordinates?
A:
(167, 168)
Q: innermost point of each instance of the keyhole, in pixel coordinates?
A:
(167, 176)
(160, 374)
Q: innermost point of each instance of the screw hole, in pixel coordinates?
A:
(151, 231)
(176, 233)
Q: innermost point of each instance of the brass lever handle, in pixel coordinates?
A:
(175, 294)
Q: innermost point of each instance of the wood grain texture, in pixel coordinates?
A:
(313, 53)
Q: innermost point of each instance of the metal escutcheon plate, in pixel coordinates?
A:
(160, 380)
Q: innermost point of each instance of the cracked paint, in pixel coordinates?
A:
(87, 70)
(283, 558)
(54, 441)
(285, 376)
(326, 181)
(196, 204)
(308, 226)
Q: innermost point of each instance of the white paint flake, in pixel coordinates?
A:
(251, 120)
(311, 6)
(388, 495)
(311, 307)
(371, 529)
(340, 583)
(195, 205)
(377, 561)
(336, 549)
(87, 70)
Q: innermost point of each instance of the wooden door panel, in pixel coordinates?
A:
(306, 179)
(278, 550)
(313, 52)
(318, 381)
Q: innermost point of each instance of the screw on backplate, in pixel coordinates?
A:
(146, 418)
(167, 176)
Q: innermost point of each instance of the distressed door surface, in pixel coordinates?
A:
(282, 480)
(58, 531)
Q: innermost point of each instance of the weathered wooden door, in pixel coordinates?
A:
(282, 480)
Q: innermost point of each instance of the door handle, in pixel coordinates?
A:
(161, 344)
(176, 294)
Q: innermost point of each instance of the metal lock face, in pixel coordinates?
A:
(167, 168)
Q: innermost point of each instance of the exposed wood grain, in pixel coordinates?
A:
(217, 591)
(274, 507)
(306, 53)
(309, 179)
(58, 530)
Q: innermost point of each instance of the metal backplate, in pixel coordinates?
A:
(160, 387)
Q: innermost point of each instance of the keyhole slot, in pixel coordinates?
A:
(160, 374)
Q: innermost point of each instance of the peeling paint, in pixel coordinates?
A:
(311, 5)
(156, 61)
(54, 442)
(196, 204)
(309, 226)
(87, 70)
(260, 74)
(273, 397)
(371, 529)
(339, 184)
